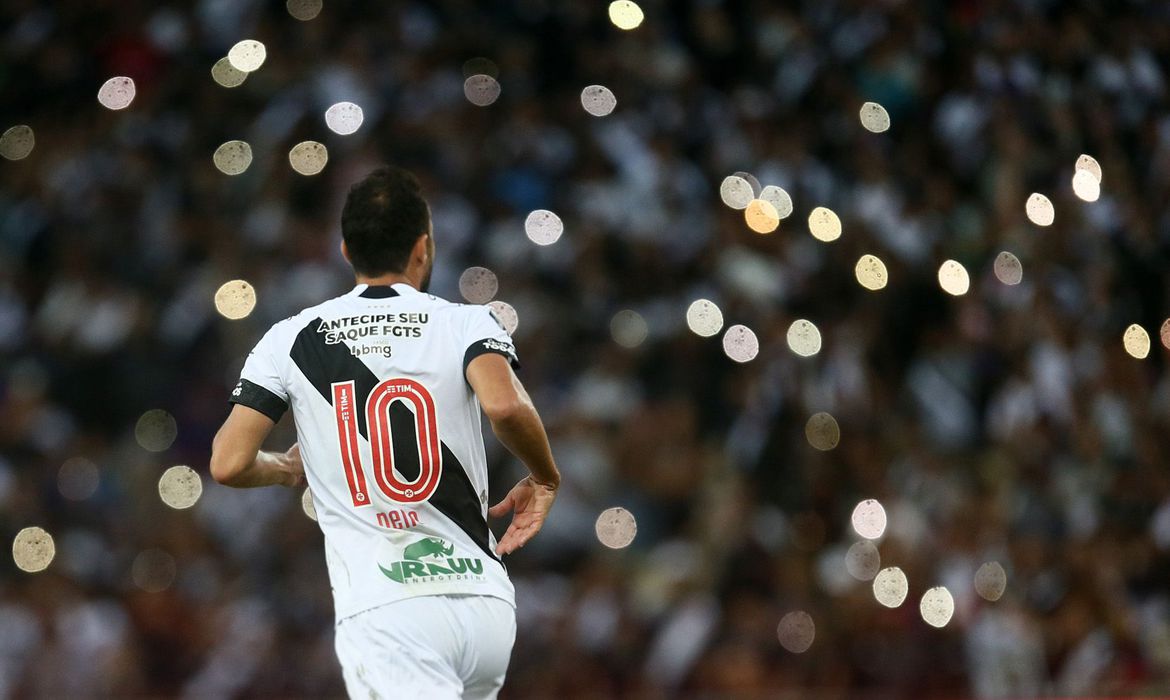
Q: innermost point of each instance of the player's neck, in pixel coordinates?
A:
(387, 280)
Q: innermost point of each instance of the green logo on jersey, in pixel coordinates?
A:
(412, 567)
(428, 547)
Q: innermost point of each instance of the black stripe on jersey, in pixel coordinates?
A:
(379, 291)
(256, 397)
(456, 498)
(323, 364)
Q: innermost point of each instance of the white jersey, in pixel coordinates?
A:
(391, 438)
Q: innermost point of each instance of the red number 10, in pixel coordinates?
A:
(377, 408)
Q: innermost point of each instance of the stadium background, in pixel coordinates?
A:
(1008, 424)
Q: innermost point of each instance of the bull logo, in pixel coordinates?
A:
(428, 547)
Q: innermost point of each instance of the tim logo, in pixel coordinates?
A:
(429, 559)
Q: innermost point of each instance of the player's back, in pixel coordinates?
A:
(390, 434)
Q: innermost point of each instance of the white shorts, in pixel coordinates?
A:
(442, 647)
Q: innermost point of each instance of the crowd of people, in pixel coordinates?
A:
(1005, 425)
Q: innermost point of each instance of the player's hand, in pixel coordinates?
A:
(294, 466)
(529, 503)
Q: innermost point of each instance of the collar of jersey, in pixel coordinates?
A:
(383, 291)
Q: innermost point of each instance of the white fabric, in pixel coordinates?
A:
(433, 647)
(383, 550)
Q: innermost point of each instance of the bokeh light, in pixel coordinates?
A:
(78, 479)
(804, 338)
(628, 328)
(17, 142)
(598, 100)
(890, 587)
(117, 93)
(1164, 333)
(953, 278)
(1089, 163)
(779, 198)
(871, 272)
(1008, 268)
(736, 192)
(478, 285)
(869, 519)
(481, 90)
(616, 527)
(33, 550)
(991, 581)
(863, 560)
(1040, 210)
(761, 216)
(543, 227)
(824, 224)
(937, 606)
(344, 118)
(232, 157)
(752, 180)
(625, 14)
(304, 10)
(507, 315)
(235, 299)
(308, 157)
(740, 343)
(874, 117)
(247, 55)
(153, 570)
(180, 487)
(156, 430)
(796, 631)
(1086, 186)
(307, 505)
(1136, 341)
(822, 431)
(704, 318)
(226, 75)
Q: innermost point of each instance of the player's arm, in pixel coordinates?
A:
(516, 423)
(236, 457)
(513, 417)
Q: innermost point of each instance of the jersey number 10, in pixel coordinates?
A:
(377, 408)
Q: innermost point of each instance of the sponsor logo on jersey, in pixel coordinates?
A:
(498, 346)
(403, 325)
(361, 350)
(431, 559)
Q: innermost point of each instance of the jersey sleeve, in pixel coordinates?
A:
(260, 386)
(484, 333)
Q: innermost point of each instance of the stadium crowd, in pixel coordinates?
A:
(1006, 425)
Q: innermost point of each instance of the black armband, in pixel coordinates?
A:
(256, 397)
(490, 345)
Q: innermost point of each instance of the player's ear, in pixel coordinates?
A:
(345, 252)
(421, 251)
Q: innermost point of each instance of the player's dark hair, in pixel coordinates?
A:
(383, 217)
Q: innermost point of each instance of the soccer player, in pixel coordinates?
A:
(386, 384)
